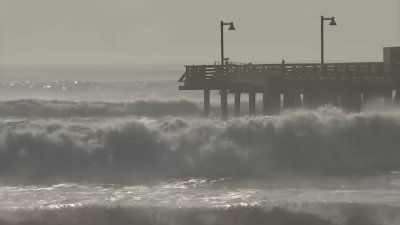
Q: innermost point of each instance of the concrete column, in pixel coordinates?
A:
(265, 103)
(237, 104)
(224, 104)
(380, 97)
(252, 103)
(397, 97)
(206, 102)
(389, 97)
(271, 102)
(368, 96)
(297, 100)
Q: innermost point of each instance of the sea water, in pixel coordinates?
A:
(139, 152)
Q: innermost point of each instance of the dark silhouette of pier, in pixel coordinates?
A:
(346, 85)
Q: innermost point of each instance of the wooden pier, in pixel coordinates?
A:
(283, 86)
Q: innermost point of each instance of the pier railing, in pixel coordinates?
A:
(364, 70)
(284, 86)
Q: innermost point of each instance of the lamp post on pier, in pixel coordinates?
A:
(231, 27)
(332, 23)
(224, 92)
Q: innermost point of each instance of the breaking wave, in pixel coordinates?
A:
(318, 214)
(307, 143)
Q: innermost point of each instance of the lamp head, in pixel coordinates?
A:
(231, 27)
(333, 22)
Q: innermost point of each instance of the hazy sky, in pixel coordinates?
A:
(187, 32)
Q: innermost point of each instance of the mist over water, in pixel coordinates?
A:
(139, 152)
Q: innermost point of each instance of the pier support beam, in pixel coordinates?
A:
(271, 102)
(224, 104)
(206, 102)
(252, 103)
(237, 104)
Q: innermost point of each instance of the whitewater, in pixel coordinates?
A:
(140, 152)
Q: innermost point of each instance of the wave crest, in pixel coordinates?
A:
(323, 142)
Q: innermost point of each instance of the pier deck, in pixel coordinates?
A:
(292, 85)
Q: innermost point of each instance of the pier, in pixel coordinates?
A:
(284, 86)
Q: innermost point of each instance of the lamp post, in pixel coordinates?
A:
(224, 93)
(332, 23)
(231, 27)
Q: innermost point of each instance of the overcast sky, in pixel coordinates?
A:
(64, 32)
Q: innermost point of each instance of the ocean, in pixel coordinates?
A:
(80, 151)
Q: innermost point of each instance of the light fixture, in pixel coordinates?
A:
(333, 22)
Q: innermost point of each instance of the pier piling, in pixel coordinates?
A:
(237, 104)
(224, 104)
(206, 102)
(252, 104)
(271, 102)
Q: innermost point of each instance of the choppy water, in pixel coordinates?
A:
(207, 193)
(78, 152)
(205, 201)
